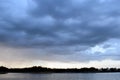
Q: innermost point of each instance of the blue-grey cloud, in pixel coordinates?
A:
(59, 26)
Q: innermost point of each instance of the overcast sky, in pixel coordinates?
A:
(60, 33)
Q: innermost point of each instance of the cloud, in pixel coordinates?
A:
(54, 27)
(73, 28)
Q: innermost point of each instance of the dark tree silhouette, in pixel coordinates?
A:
(39, 69)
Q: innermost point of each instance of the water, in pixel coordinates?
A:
(61, 76)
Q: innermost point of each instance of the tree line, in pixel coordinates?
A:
(39, 69)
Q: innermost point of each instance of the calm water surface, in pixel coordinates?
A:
(61, 76)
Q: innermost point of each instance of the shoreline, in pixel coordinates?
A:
(39, 69)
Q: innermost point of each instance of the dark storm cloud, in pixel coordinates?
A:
(58, 25)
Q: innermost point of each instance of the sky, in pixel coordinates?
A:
(60, 33)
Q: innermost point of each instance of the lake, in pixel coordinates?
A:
(61, 76)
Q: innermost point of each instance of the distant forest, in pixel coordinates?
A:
(39, 69)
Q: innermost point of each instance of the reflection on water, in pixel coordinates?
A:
(61, 76)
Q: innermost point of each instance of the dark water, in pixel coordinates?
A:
(62, 76)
